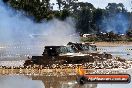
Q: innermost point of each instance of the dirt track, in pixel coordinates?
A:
(117, 43)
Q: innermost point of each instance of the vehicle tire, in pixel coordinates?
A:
(81, 80)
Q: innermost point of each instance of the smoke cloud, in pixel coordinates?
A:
(117, 23)
(19, 82)
(19, 35)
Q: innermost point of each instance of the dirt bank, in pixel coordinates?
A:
(117, 43)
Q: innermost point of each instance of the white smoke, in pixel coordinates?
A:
(19, 82)
(117, 23)
(19, 35)
(60, 33)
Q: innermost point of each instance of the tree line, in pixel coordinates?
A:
(88, 18)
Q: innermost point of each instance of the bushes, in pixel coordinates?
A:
(89, 39)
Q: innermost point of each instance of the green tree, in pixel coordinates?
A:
(84, 21)
(84, 17)
(113, 8)
(39, 10)
(97, 18)
(64, 14)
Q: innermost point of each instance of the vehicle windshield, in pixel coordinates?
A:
(85, 47)
(89, 47)
(66, 49)
(93, 48)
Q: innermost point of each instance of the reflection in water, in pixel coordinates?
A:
(38, 81)
(19, 82)
(79, 86)
(70, 82)
(62, 82)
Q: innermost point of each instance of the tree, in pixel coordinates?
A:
(113, 8)
(97, 18)
(35, 8)
(84, 16)
(64, 14)
(59, 3)
(88, 18)
(5, 1)
(84, 21)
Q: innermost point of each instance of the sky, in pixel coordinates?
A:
(104, 3)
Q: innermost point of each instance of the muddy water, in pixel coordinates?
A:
(66, 81)
(127, 85)
(50, 82)
(121, 51)
(117, 51)
(17, 81)
(70, 82)
(20, 81)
